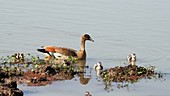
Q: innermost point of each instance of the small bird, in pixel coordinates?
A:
(64, 53)
(87, 93)
(131, 59)
(18, 58)
(98, 66)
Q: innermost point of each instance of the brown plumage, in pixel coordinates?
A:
(62, 53)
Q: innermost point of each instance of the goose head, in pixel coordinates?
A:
(86, 37)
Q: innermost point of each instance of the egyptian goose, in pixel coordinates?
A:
(63, 53)
(131, 59)
(98, 66)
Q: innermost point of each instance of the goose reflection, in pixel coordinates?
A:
(84, 78)
(80, 69)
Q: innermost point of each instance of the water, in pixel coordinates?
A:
(119, 27)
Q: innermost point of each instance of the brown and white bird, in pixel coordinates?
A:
(87, 93)
(63, 53)
(98, 66)
(131, 59)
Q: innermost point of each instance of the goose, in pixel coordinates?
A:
(63, 53)
(131, 59)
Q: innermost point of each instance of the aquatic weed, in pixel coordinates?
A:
(128, 74)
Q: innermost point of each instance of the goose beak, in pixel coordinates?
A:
(91, 40)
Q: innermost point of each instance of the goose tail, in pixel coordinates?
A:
(42, 50)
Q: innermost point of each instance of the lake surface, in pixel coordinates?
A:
(119, 27)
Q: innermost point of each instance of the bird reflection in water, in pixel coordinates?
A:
(80, 69)
(84, 72)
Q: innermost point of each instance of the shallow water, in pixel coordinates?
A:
(119, 27)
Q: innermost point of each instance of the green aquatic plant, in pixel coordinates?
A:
(72, 59)
(32, 68)
(4, 60)
(17, 58)
(128, 74)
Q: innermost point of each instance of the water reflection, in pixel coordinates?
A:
(34, 71)
(84, 78)
(81, 70)
(98, 73)
(81, 65)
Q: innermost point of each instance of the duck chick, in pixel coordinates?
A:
(87, 93)
(18, 57)
(98, 66)
(131, 59)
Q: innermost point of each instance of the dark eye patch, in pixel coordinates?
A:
(87, 36)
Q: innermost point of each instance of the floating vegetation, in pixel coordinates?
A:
(8, 87)
(128, 74)
(34, 71)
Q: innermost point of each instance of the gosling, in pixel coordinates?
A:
(87, 93)
(131, 59)
(98, 66)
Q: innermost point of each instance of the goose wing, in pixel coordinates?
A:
(61, 50)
